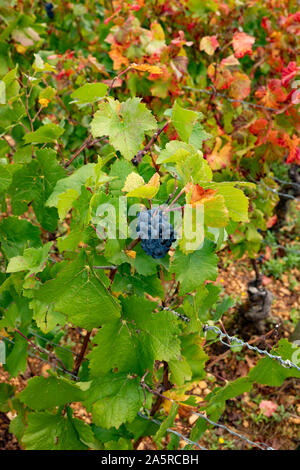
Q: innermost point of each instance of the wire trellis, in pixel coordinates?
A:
(231, 100)
(286, 363)
(172, 431)
(55, 366)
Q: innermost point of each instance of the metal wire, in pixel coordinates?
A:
(172, 431)
(52, 342)
(284, 362)
(231, 100)
(179, 315)
(56, 367)
(287, 183)
(261, 446)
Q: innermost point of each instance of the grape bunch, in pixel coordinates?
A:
(49, 10)
(156, 233)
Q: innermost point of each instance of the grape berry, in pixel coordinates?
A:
(156, 233)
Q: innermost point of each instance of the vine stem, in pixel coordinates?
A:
(82, 353)
(87, 143)
(166, 386)
(139, 156)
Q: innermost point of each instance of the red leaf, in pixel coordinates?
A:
(242, 44)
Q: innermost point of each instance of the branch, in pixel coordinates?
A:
(82, 353)
(165, 386)
(87, 143)
(139, 156)
(116, 78)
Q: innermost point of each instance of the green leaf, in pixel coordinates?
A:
(33, 184)
(46, 431)
(180, 371)
(40, 66)
(194, 269)
(16, 361)
(216, 213)
(184, 121)
(189, 162)
(89, 93)
(65, 202)
(236, 201)
(198, 136)
(217, 399)
(16, 234)
(48, 93)
(44, 134)
(5, 178)
(125, 124)
(45, 393)
(175, 151)
(6, 394)
(46, 317)
(133, 342)
(78, 293)
(115, 399)
(73, 182)
(167, 423)
(33, 260)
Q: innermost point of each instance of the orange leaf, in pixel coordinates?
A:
(220, 157)
(242, 44)
(240, 87)
(198, 194)
(116, 56)
(258, 126)
(271, 221)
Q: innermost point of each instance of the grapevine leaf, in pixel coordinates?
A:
(44, 134)
(78, 293)
(45, 393)
(184, 121)
(33, 184)
(135, 341)
(16, 234)
(115, 399)
(46, 431)
(125, 124)
(33, 260)
(74, 182)
(194, 269)
(89, 93)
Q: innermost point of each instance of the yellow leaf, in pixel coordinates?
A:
(148, 190)
(21, 49)
(133, 181)
(147, 68)
(131, 254)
